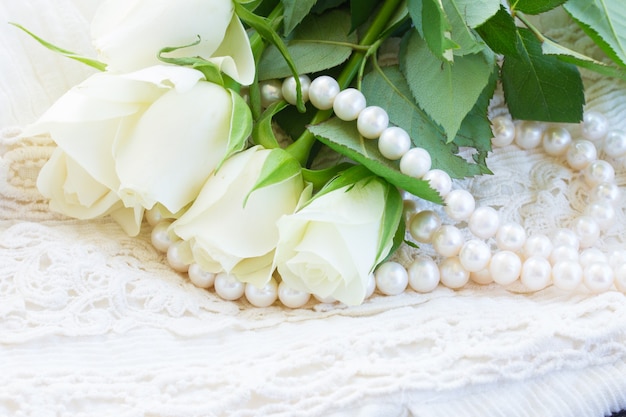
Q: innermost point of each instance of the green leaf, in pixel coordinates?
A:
(360, 11)
(415, 8)
(263, 28)
(446, 91)
(437, 30)
(390, 91)
(345, 178)
(69, 54)
(319, 43)
(605, 22)
(475, 12)
(391, 224)
(262, 132)
(240, 126)
(295, 12)
(536, 6)
(344, 138)
(278, 167)
(500, 33)
(541, 87)
(319, 177)
(462, 35)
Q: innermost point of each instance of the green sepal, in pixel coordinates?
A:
(278, 167)
(211, 71)
(240, 126)
(262, 132)
(101, 66)
(392, 226)
(319, 177)
(346, 178)
(262, 26)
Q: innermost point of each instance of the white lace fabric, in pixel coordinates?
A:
(94, 323)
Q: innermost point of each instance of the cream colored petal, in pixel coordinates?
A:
(256, 271)
(129, 219)
(234, 55)
(182, 79)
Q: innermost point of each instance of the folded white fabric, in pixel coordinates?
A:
(93, 322)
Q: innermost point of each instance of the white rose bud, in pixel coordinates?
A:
(232, 228)
(128, 34)
(331, 245)
(127, 142)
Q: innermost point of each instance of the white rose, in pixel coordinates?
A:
(227, 235)
(128, 34)
(130, 141)
(331, 245)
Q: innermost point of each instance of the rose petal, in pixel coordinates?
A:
(234, 56)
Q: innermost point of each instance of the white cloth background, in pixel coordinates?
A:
(93, 323)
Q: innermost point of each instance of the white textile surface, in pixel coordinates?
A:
(93, 323)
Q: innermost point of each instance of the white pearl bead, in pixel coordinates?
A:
(452, 274)
(475, 255)
(447, 241)
(199, 277)
(323, 91)
(271, 91)
(563, 253)
(538, 245)
(348, 104)
(581, 153)
(423, 225)
(482, 277)
(391, 278)
(536, 273)
(594, 126)
(615, 144)
(511, 236)
(372, 121)
(592, 255)
(264, 296)
(409, 207)
(566, 237)
(161, 237)
(394, 143)
(175, 256)
(228, 286)
(292, 298)
(371, 285)
(416, 162)
(556, 141)
(290, 93)
(606, 192)
(617, 257)
(460, 205)
(599, 171)
(587, 230)
(153, 216)
(567, 275)
(484, 222)
(619, 277)
(505, 267)
(423, 274)
(598, 276)
(439, 180)
(602, 212)
(503, 130)
(528, 134)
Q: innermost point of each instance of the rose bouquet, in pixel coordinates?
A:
(269, 141)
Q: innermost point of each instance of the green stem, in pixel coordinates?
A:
(301, 148)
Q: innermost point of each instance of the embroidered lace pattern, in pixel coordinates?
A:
(93, 322)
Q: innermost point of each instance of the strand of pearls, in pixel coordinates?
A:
(500, 252)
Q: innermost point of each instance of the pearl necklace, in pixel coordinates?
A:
(536, 260)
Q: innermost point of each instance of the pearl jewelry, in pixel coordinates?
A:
(153, 216)
(264, 296)
(416, 162)
(348, 104)
(199, 277)
(598, 276)
(619, 277)
(606, 192)
(482, 277)
(290, 92)
(228, 286)
(439, 180)
(511, 236)
(615, 144)
(452, 273)
(475, 255)
(423, 225)
(460, 204)
(587, 230)
(528, 135)
(505, 267)
(581, 153)
(323, 91)
(556, 141)
(484, 222)
(567, 275)
(271, 91)
(447, 241)
(175, 257)
(566, 237)
(538, 245)
(536, 273)
(594, 126)
(391, 278)
(372, 121)
(598, 172)
(602, 212)
(292, 298)
(503, 130)
(592, 255)
(371, 286)
(394, 143)
(161, 237)
(563, 253)
(423, 275)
